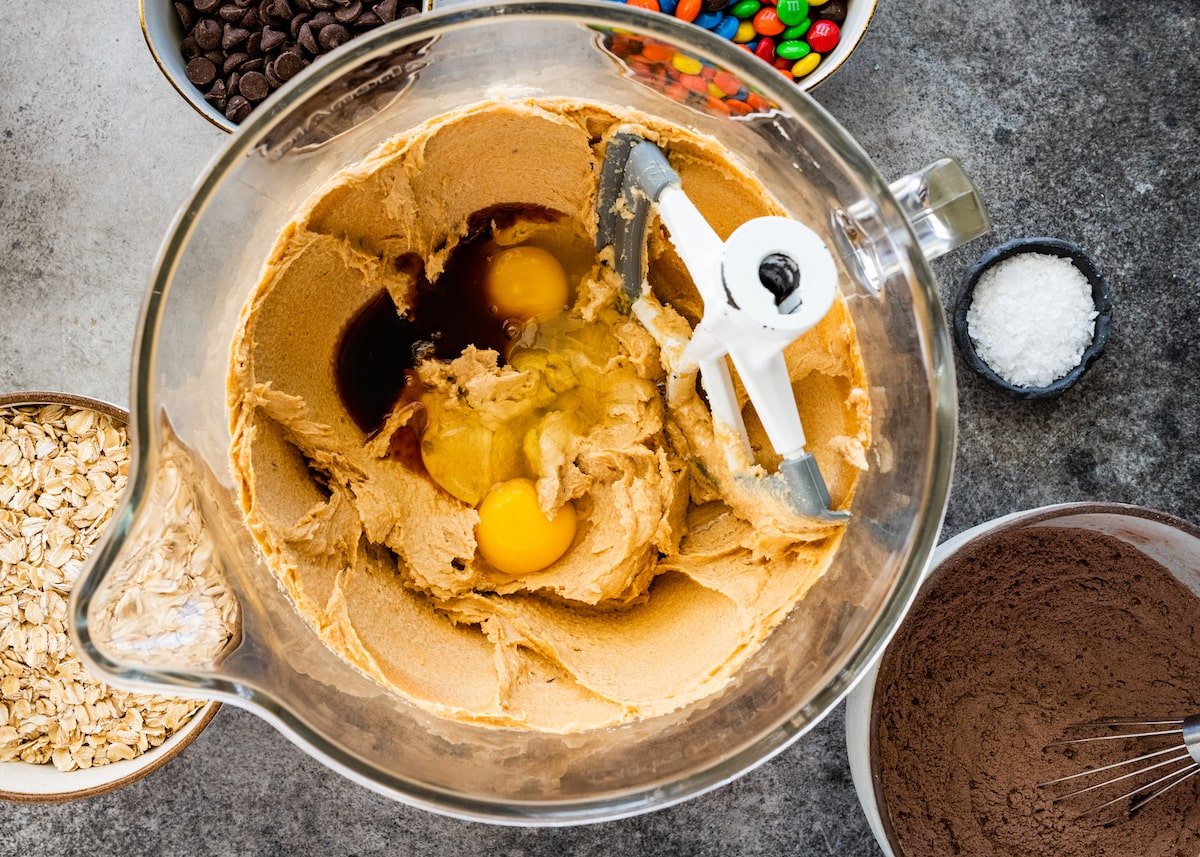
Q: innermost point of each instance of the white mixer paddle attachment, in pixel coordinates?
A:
(773, 280)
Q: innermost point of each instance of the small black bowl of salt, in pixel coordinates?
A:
(1032, 316)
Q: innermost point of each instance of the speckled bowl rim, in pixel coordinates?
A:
(224, 125)
(196, 724)
(813, 81)
(1101, 297)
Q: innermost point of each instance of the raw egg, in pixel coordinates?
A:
(525, 282)
(513, 534)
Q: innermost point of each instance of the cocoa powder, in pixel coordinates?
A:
(1024, 633)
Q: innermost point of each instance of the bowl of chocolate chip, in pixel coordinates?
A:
(225, 57)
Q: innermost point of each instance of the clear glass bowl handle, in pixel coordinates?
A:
(942, 206)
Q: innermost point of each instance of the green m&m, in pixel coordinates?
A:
(796, 32)
(792, 12)
(792, 49)
(744, 8)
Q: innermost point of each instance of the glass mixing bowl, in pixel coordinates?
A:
(179, 599)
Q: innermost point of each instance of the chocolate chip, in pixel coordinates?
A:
(348, 13)
(208, 34)
(252, 65)
(296, 23)
(216, 95)
(254, 45)
(387, 10)
(254, 86)
(281, 9)
(230, 14)
(322, 4)
(243, 3)
(205, 7)
(273, 80)
(189, 48)
(237, 109)
(271, 39)
(215, 57)
(233, 62)
(187, 15)
(201, 71)
(287, 65)
(232, 81)
(409, 11)
(367, 19)
(250, 20)
(333, 36)
(232, 36)
(307, 40)
(322, 20)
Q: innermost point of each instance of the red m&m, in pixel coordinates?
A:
(823, 36)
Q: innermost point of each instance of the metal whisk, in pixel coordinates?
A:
(1153, 774)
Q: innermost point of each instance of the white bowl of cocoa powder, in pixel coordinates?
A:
(1025, 625)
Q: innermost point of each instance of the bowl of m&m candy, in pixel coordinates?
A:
(806, 40)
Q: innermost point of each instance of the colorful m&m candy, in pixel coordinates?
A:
(792, 35)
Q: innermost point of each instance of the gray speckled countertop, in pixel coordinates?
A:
(1077, 118)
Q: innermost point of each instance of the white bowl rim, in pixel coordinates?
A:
(46, 784)
(850, 41)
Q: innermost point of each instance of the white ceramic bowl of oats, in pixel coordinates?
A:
(64, 735)
(22, 782)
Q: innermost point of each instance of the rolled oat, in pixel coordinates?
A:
(62, 474)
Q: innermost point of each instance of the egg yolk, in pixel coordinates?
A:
(514, 536)
(525, 282)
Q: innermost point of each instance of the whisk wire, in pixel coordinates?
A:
(1151, 764)
(1182, 757)
(1114, 721)
(1190, 770)
(1118, 737)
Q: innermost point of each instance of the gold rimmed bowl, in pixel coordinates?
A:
(23, 782)
(859, 14)
(164, 34)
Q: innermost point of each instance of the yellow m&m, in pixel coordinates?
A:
(806, 65)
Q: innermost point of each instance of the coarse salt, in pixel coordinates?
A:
(1031, 318)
